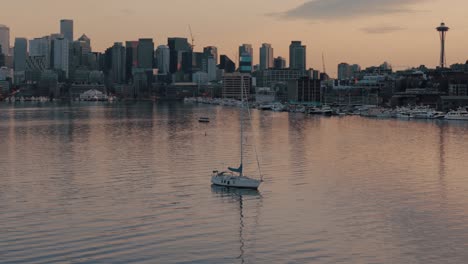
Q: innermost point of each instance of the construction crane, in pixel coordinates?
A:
(192, 44)
(323, 64)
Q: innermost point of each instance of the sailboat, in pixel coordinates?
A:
(235, 177)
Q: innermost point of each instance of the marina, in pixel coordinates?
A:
(409, 112)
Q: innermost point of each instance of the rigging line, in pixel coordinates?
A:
(255, 145)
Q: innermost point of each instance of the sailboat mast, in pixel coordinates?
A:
(242, 127)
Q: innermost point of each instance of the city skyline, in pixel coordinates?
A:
(401, 32)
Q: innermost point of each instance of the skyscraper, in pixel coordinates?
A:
(20, 54)
(61, 55)
(40, 47)
(145, 53)
(245, 63)
(344, 71)
(5, 40)
(163, 59)
(118, 63)
(177, 46)
(279, 63)
(246, 48)
(131, 59)
(66, 29)
(211, 51)
(227, 64)
(86, 43)
(297, 55)
(266, 56)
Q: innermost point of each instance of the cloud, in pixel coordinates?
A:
(344, 9)
(382, 29)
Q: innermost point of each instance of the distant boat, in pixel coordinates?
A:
(235, 177)
(204, 120)
(460, 114)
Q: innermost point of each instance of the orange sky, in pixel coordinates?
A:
(366, 32)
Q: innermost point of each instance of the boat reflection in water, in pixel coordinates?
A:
(238, 196)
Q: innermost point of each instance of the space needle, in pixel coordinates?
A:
(442, 29)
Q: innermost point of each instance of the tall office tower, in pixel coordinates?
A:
(145, 53)
(118, 63)
(344, 71)
(131, 59)
(355, 69)
(20, 54)
(66, 29)
(442, 29)
(40, 47)
(266, 56)
(279, 63)
(246, 48)
(5, 40)
(211, 51)
(86, 44)
(177, 46)
(2, 57)
(52, 50)
(245, 63)
(297, 55)
(163, 59)
(61, 55)
(226, 64)
(211, 69)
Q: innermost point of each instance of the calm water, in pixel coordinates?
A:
(129, 183)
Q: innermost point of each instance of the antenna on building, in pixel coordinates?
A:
(192, 44)
(323, 63)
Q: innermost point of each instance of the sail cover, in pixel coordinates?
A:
(239, 170)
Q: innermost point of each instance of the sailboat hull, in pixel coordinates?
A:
(235, 181)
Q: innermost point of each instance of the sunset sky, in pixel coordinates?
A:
(367, 32)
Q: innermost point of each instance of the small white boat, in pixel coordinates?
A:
(229, 179)
(460, 114)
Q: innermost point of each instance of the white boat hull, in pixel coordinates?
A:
(463, 118)
(235, 181)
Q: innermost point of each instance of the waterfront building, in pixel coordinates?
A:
(61, 55)
(279, 63)
(66, 29)
(118, 63)
(297, 55)
(20, 54)
(48, 84)
(163, 59)
(5, 40)
(267, 78)
(266, 56)
(234, 82)
(304, 90)
(145, 53)
(227, 64)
